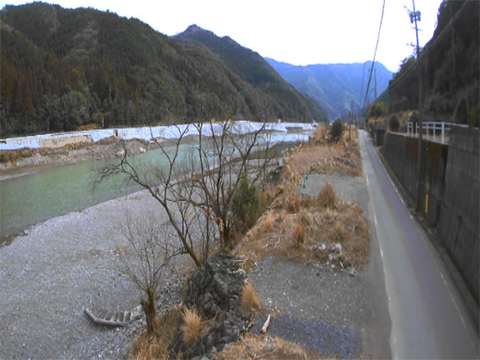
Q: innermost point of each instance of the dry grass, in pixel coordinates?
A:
(250, 299)
(299, 234)
(327, 198)
(322, 157)
(192, 326)
(305, 228)
(147, 347)
(293, 203)
(309, 234)
(268, 221)
(265, 347)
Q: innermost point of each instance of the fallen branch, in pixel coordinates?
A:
(265, 326)
(113, 319)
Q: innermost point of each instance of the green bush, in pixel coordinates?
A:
(336, 130)
(394, 123)
(245, 206)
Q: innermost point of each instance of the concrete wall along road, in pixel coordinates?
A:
(452, 184)
(401, 154)
(458, 225)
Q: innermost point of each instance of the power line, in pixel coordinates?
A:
(374, 54)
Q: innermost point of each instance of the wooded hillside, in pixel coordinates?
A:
(63, 68)
(450, 69)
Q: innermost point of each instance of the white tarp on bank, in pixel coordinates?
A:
(149, 133)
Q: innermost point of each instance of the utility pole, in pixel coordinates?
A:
(350, 127)
(375, 101)
(415, 16)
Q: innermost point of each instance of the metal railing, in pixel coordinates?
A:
(432, 129)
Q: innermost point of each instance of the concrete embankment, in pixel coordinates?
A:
(450, 194)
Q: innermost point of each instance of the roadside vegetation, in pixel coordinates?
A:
(307, 227)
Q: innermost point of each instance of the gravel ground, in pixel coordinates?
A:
(56, 270)
(322, 308)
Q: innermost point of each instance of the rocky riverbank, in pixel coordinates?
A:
(17, 162)
(22, 162)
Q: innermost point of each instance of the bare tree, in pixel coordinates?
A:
(150, 250)
(197, 184)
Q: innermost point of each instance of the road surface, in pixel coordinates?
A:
(429, 319)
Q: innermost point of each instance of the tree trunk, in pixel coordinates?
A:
(150, 311)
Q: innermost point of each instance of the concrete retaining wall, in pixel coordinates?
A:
(458, 225)
(401, 154)
(452, 185)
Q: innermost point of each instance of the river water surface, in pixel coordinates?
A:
(44, 194)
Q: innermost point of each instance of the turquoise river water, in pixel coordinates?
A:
(44, 194)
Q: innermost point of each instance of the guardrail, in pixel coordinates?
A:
(432, 129)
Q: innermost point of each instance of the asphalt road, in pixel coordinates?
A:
(429, 318)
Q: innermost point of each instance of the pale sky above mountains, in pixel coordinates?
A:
(299, 32)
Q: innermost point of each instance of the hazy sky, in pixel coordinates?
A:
(298, 32)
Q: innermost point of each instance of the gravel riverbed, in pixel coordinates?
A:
(57, 269)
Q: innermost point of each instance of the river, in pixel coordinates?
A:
(43, 194)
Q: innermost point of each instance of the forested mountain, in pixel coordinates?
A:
(450, 68)
(335, 86)
(250, 65)
(63, 68)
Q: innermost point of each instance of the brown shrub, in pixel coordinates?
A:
(299, 233)
(293, 203)
(338, 233)
(327, 198)
(147, 347)
(265, 347)
(250, 299)
(192, 326)
(267, 222)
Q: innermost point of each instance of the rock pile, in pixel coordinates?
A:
(216, 293)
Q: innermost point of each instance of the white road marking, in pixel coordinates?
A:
(446, 285)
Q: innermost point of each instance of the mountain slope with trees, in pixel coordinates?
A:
(450, 68)
(64, 68)
(335, 86)
(250, 65)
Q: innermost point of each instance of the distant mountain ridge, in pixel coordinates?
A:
(249, 64)
(335, 86)
(64, 68)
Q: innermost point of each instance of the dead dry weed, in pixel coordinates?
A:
(265, 347)
(250, 299)
(149, 347)
(192, 326)
(324, 157)
(327, 198)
